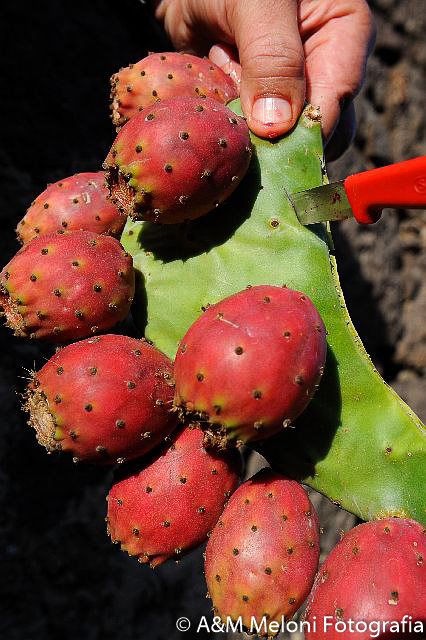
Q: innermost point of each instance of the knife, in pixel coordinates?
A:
(364, 195)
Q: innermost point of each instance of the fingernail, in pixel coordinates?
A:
(219, 56)
(271, 110)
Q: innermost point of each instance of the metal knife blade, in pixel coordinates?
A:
(327, 202)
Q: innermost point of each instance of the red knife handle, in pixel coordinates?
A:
(398, 185)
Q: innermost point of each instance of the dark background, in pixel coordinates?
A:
(60, 575)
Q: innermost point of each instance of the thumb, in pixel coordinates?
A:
(272, 64)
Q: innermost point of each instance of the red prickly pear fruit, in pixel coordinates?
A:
(161, 76)
(251, 363)
(67, 285)
(163, 507)
(178, 160)
(104, 399)
(79, 202)
(262, 555)
(374, 575)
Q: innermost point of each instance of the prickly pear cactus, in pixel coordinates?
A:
(357, 442)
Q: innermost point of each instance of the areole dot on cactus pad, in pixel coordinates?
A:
(67, 285)
(178, 160)
(79, 202)
(262, 555)
(165, 75)
(250, 364)
(376, 574)
(163, 506)
(104, 399)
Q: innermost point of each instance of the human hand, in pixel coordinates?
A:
(283, 52)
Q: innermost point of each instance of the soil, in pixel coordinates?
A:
(61, 577)
(382, 266)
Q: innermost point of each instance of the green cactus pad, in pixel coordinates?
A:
(357, 443)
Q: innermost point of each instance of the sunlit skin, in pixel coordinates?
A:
(286, 51)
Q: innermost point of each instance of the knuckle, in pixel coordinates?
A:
(274, 62)
(366, 19)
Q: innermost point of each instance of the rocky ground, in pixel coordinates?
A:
(382, 267)
(61, 577)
